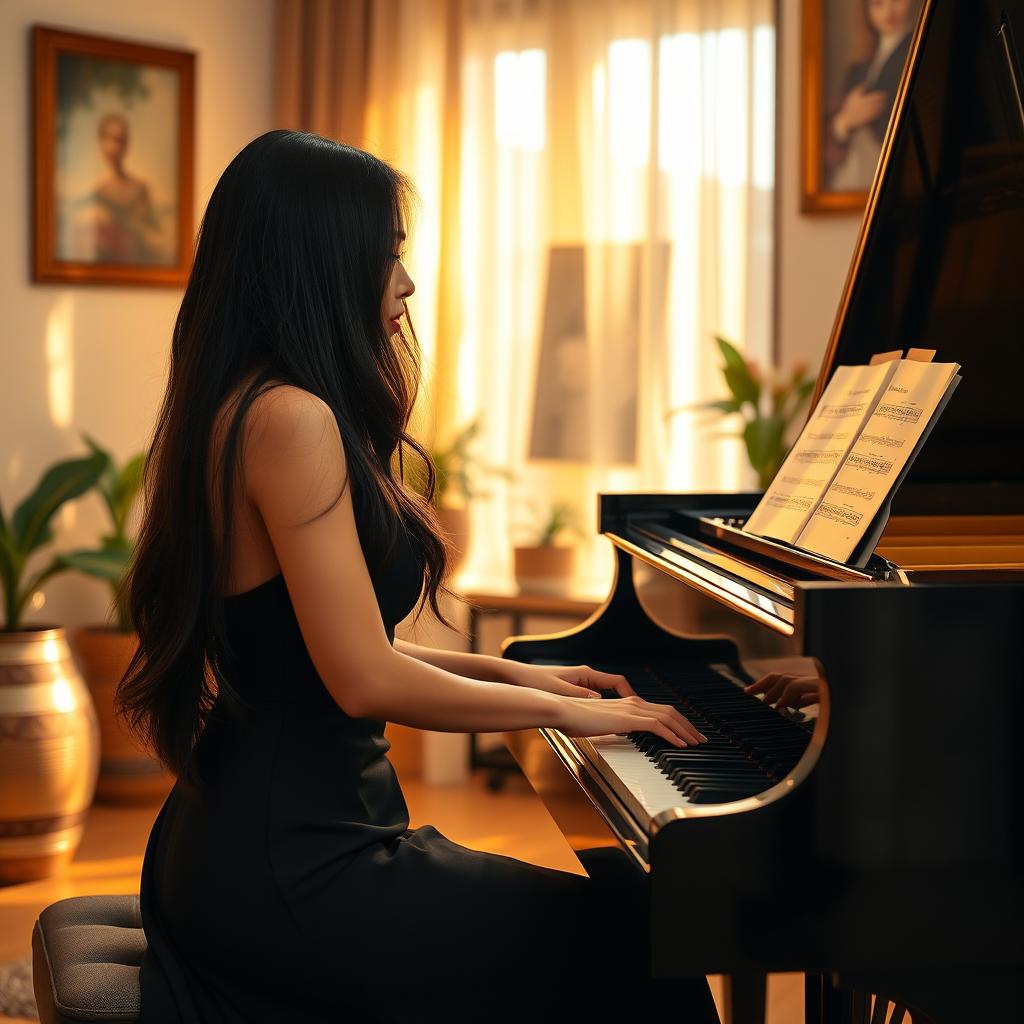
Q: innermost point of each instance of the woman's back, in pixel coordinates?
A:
(237, 872)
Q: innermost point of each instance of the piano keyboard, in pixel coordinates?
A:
(750, 746)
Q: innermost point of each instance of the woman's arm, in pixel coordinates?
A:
(294, 468)
(473, 666)
(570, 680)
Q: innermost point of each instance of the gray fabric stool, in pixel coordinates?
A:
(86, 953)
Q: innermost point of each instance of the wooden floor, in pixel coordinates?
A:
(512, 822)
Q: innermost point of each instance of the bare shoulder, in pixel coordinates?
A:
(294, 457)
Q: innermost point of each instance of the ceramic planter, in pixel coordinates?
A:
(544, 569)
(128, 774)
(49, 753)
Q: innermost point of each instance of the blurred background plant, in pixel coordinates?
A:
(29, 530)
(768, 402)
(551, 522)
(119, 487)
(457, 466)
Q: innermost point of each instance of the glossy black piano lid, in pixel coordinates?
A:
(940, 260)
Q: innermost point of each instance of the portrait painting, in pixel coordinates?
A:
(113, 160)
(854, 52)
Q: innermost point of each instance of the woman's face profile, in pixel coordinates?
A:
(398, 289)
(891, 17)
(113, 136)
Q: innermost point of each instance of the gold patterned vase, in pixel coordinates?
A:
(128, 773)
(49, 753)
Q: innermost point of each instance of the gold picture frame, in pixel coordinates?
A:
(113, 129)
(852, 59)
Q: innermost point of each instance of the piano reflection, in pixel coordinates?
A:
(873, 841)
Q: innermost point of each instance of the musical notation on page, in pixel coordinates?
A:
(852, 454)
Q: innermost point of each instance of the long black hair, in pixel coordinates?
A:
(295, 250)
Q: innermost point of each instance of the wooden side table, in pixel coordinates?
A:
(518, 607)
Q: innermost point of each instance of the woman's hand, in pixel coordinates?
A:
(568, 680)
(859, 108)
(582, 716)
(785, 690)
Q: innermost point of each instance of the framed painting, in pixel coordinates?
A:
(112, 154)
(853, 52)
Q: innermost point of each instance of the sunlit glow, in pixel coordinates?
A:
(425, 250)
(731, 114)
(679, 106)
(763, 155)
(59, 361)
(679, 156)
(63, 696)
(629, 101)
(50, 650)
(519, 94)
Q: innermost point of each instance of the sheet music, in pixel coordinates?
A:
(869, 472)
(825, 441)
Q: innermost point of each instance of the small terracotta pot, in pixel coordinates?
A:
(455, 524)
(128, 774)
(544, 569)
(49, 753)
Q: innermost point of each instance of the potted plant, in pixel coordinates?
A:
(768, 404)
(49, 735)
(128, 773)
(544, 566)
(456, 468)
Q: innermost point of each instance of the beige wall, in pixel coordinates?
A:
(93, 358)
(814, 250)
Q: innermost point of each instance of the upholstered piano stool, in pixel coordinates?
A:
(86, 953)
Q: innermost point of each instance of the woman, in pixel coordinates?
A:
(278, 551)
(857, 123)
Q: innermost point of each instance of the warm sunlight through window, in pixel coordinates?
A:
(764, 107)
(519, 91)
(629, 101)
(615, 213)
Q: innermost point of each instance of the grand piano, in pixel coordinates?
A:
(875, 841)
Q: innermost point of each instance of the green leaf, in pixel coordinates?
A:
(126, 488)
(108, 478)
(59, 484)
(743, 387)
(105, 564)
(731, 355)
(764, 440)
(724, 405)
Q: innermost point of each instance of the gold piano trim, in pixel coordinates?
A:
(922, 544)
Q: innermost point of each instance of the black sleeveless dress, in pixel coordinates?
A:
(290, 888)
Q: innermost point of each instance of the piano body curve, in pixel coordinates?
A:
(888, 855)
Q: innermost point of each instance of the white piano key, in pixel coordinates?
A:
(654, 791)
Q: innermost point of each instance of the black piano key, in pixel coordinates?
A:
(749, 747)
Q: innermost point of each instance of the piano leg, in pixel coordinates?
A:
(813, 996)
(744, 998)
(952, 997)
(826, 1004)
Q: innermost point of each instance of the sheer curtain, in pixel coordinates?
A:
(634, 137)
(596, 185)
